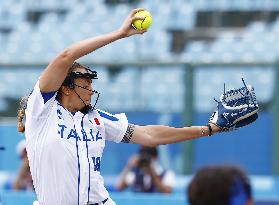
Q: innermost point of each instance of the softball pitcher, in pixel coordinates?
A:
(65, 135)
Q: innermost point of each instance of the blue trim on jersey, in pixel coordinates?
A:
(47, 96)
(109, 117)
(88, 190)
(78, 163)
(31, 91)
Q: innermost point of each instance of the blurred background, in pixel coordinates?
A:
(169, 75)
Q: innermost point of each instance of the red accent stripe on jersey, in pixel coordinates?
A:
(97, 121)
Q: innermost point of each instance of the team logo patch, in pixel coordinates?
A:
(97, 121)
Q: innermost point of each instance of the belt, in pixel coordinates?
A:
(103, 202)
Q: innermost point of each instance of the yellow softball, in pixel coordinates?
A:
(145, 23)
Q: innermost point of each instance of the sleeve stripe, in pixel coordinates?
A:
(47, 96)
(109, 117)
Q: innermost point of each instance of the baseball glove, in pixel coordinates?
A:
(237, 108)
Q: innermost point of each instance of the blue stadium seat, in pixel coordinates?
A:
(183, 17)
(174, 14)
(194, 50)
(154, 46)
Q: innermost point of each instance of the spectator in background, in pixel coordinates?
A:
(220, 185)
(23, 179)
(143, 173)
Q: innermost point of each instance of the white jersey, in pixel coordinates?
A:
(65, 150)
